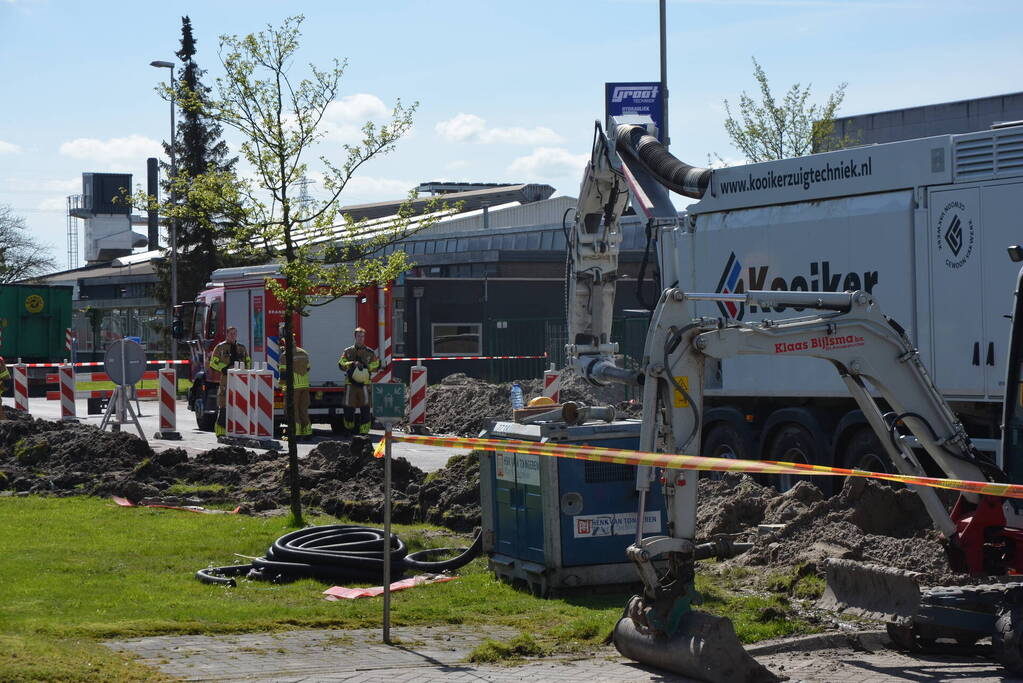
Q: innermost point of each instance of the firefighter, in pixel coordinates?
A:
(302, 425)
(4, 376)
(358, 362)
(225, 355)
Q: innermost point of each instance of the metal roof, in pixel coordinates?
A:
(471, 199)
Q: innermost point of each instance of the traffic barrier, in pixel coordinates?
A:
(67, 393)
(69, 342)
(273, 355)
(419, 360)
(417, 396)
(238, 402)
(263, 404)
(552, 384)
(694, 462)
(19, 377)
(168, 404)
(383, 375)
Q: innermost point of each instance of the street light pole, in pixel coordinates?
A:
(173, 228)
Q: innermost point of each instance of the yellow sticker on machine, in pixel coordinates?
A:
(34, 303)
(680, 400)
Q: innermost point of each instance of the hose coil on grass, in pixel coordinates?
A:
(342, 553)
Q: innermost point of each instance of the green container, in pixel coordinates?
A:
(33, 321)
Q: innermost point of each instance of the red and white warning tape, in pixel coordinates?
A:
(467, 358)
(99, 364)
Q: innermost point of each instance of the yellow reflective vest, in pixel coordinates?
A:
(302, 366)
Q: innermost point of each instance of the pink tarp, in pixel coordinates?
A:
(343, 593)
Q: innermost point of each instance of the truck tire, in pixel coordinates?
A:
(203, 420)
(792, 443)
(723, 440)
(864, 452)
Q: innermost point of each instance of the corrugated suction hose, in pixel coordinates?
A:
(340, 553)
(676, 175)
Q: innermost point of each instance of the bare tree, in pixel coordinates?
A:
(21, 256)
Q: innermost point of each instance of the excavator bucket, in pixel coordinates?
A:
(704, 648)
(870, 590)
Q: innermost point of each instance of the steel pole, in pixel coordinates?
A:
(173, 224)
(387, 533)
(664, 73)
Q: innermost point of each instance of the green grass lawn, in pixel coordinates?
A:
(75, 571)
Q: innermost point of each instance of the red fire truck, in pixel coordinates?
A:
(239, 297)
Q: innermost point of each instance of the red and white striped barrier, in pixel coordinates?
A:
(552, 384)
(237, 402)
(262, 404)
(417, 396)
(68, 340)
(168, 405)
(19, 375)
(67, 393)
(419, 360)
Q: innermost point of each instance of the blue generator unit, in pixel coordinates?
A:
(560, 523)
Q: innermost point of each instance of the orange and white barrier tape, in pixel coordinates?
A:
(693, 462)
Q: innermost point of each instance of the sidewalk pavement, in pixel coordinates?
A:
(429, 654)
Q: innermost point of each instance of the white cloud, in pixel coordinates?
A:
(132, 148)
(366, 189)
(9, 148)
(471, 128)
(53, 204)
(344, 118)
(549, 162)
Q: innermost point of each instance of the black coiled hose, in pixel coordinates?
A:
(676, 175)
(342, 553)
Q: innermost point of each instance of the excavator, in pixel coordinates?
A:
(882, 370)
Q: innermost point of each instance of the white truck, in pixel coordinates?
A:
(922, 224)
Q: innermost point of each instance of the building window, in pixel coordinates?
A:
(457, 339)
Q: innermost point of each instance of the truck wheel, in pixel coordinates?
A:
(1007, 640)
(865, 452)
(723, 440)
(792, 443)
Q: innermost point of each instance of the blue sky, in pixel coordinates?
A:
(507, 91)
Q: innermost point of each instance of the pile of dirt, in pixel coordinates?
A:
(462, 405)
(340, 478)
(865, 521)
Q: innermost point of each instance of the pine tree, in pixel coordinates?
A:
(199, 149)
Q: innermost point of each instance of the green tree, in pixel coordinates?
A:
(280, 118)
(770, 129)
(203, 227)
(21, 256)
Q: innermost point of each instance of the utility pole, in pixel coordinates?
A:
(664, 74)
(174, 219)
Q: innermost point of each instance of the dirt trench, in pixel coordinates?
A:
(339, 478)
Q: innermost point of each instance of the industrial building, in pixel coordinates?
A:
(962, 116)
